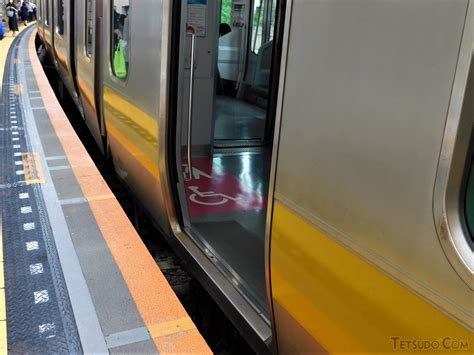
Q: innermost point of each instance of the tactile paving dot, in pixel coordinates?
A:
(47, 330)
(41, 296)
(26, 209)
(36, 269)
(32, 246)
(28, 226)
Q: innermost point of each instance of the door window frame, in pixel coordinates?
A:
(448, 199)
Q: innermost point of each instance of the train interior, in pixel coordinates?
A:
(225, 133)
(243, 73)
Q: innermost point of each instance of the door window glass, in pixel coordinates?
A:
(470, 201)
(272, 20)
(60, 15)
(46, 13)
(257, 25)
(89, 21)
(120, 38)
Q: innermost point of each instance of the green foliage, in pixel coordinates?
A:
(226, 11)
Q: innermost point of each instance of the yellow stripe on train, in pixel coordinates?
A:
(344, 303)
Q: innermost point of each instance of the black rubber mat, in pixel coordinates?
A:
(39, 313)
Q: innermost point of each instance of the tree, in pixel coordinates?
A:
(226, 11)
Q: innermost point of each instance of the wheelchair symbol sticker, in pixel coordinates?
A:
(210, 189)
(205, 198)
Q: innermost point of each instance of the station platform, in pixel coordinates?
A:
(75, 276)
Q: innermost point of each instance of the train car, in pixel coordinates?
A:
(310, 161)
(56, 28)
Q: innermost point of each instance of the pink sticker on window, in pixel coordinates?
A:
(211, 190)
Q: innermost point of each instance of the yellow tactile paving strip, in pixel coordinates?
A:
(168, 323)
(5, 44)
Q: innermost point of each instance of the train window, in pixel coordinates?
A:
(120, 38)
(272, 20)
(469, 208)
(89, 22)
(60, 17)
(257, 25)
(226, 11)
(46, 12)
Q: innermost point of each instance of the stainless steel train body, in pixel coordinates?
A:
(369, 114)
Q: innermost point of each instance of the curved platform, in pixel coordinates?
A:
(77, 277)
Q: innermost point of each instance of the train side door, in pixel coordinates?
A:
(88, 59)
(222, 104)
